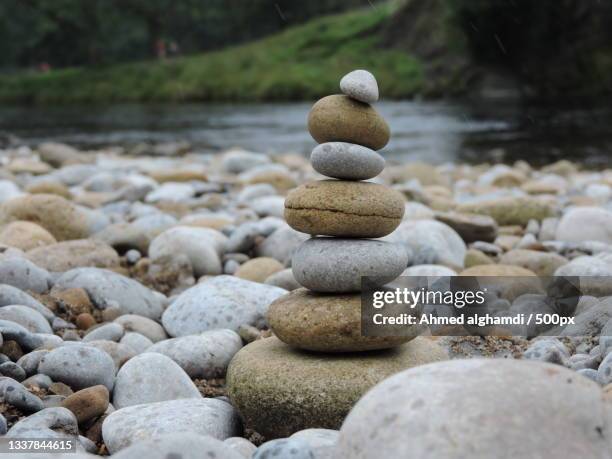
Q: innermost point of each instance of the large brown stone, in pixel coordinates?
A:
(57, 215)
(79, 253)
(344, 209)
(280, 390)
(26, 235)
(328, 323)
(339, 118)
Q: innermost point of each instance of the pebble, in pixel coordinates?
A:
(337, 265)
(10, 295)
(67, 255)
(344, 209)
(87, 404)
(327, 323)
(24, 275)
(281, 244)
(471, 227)
(289, 448)
(179, 446)
(346, 161)
(435, 398)
(12, 370)
(49, 423)
(205, 355)
(107, 288)
(258, 269)
(110, 332)
(139, 343)
(143, 325)
(26, 235)
(360, 85)
(339, 118)
(430, 242)
(604, 371)
(238, 161)
(149, 378)
(57, 215)
(219, 302)
(510, 210)
(544, 264)
(283, 279)
(204, 416)
(581, 224)
(79, 366)
(548, 350)
(29, 318)
(16, 394)
(202, 246)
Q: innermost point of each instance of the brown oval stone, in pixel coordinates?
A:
(85, 320)
(328, 323)
(344, 209)
(259, 269)
(88, 403)
(339, 118)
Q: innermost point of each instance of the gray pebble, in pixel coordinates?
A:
(23, 274)
(548, 350)
(79, 366)
(326, 264)
(360, 85)
(42, 381)
(286, 448)
(589, 373)
(17, 395)
(111, 332)
(12, 370)
(604, 372)
(346, 161)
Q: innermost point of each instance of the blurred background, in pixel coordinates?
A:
(460, 80)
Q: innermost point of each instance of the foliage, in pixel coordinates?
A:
(302, 62)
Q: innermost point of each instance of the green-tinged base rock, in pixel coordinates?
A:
(279, 390)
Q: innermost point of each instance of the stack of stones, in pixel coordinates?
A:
(325, 315)
(316, 367)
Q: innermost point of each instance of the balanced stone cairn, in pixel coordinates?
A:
(282, 384)
(349, 131)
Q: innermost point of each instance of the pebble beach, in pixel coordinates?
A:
(164, 302)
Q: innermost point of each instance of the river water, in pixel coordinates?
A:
(436, 132)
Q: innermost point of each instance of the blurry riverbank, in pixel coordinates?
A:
(435, 132)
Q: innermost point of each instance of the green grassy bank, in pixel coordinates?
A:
(303, 62)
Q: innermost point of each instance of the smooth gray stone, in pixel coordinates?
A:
(47, 423)
(241, 445)
(511, 399)
(24, 275)
(29, 318)
(289, 448)
(336, 265)
(109, 332)
(149, 378)
(589, 373)
(79, 366)
(360, 85)
(107, 288)
(29, 362)
(12, 331)
(42, 381)
(205, 416)
(179, 445)
(12, 295)
(347, 161)
(12, 370)
(206, 355)
(17, 395)
(143, 325)
(139, 343)
(219, 302)
(604, 372)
